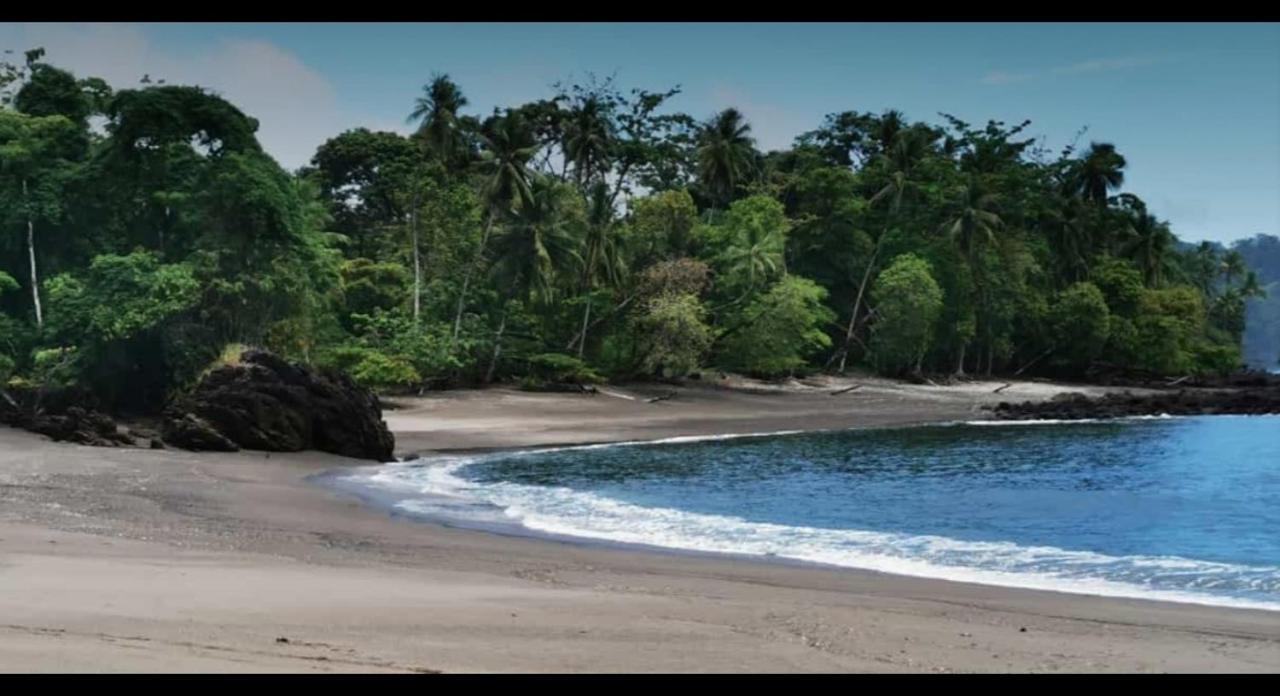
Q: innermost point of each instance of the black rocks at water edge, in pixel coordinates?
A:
(1182, 402)
(267, 403)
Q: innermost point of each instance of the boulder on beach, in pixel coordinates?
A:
(264, 402)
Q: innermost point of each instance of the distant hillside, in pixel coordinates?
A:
(1262, 332)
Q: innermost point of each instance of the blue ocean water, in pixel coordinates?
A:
(1185, 509)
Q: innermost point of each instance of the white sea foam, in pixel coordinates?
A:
(1071, 421)
(1039, 421)
(568, 512)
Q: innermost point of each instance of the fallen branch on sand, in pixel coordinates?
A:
(664, 397)
(846, 390)
(1000, 389)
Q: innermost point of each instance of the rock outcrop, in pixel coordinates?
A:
(192, 432)
(266, 403)
(1255, 400)
(84, 426)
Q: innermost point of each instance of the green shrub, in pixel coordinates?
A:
(558, 367)
(673, 335)
(908, 302)
(779, 331)
(373, 369)
(1079, 322)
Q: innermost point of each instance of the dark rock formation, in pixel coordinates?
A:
(1252, 400)
(76, 424)
(193, 433)
(266, 403)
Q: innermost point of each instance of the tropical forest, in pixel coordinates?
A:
(598, 234)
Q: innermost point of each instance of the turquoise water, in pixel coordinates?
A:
(1177, 508)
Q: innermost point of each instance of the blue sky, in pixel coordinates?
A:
(1194, 107)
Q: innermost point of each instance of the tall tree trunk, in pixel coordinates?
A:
(466, 279)
(417, 257)
(497, 348)
(31, 255)
(960, 362)
(586, 317)
(857, 303)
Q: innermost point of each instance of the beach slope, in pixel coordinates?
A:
(140, 560)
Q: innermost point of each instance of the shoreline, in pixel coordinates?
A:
(380, 496)
(135, 560)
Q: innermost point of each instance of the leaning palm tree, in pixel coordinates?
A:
(588, 140)
(1099, 172)
(601, 261)
(1149, 245)
(508, 143)
(725, 155)
(901, 156)
(436, 112)
(537, 246)
(972, 225)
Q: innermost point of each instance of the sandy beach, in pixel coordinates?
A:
(140, 560)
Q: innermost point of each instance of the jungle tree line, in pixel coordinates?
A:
(597, 233)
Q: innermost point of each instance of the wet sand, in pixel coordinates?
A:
(140, 560)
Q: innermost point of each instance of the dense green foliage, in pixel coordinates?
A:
(910, 301)
(594, 234)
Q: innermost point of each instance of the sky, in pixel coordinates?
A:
(1194, 108)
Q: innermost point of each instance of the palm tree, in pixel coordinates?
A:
(1149, 244)
(725, 154)
(1233, 264)
(973, 221)
(600, 257)
(508, 143)
(972, 224)
(887, 129)
(1205, 267)
(588, 140)
(1067, 228)
(437, 113)
(537, 246)
(1252, 287)
(1100, 171)
(759, 256)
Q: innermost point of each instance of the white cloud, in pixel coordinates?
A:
(1001, 77)
(297, 108)
(1106, 65)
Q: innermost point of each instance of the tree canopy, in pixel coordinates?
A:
(595, 233)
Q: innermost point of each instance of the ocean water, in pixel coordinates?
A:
(1182, 509)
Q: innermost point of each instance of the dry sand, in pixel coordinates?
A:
(139, 560)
